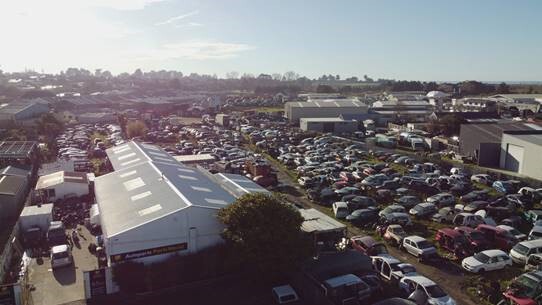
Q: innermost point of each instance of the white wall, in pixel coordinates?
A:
(63, 189)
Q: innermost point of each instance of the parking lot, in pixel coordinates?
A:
(63, 285)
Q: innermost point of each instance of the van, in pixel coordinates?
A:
(468, 220)
(346, 289)
(522, 250)
(56, 234)
(340, 209)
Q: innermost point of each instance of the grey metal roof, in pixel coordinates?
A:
(16, 149)
(134, 153)
(14, 171)
(315, 220)
(330, 104)
(146, 190)
(238, 185)
(11, 185)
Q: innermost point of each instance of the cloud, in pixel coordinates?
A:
(177, 18)
(197, 50)
(189, 25)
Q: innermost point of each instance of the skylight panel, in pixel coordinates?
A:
(149, 210)
(133, 184)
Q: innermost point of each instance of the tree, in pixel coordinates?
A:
(325, 89)
(266, 232)
(503, 88)
(290, 76)
(135, 129)
(232, 75)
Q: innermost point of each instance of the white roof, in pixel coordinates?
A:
(416, 238)
(59, 249)
(494, 252)
(421, 280)
(60, 177)
(315, 220)
(44, 209)
(437, 94)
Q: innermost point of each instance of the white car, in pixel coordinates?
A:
(419, 247)
(61, 256)
(340, 209)
(391, 269)
(487, 260)
(442, 199)
(419, 287)
(536, 233)
(481, 178)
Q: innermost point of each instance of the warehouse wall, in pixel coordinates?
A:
(530, 164)
(296, 113)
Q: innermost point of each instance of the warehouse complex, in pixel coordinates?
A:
(152, 206)
(327, 108)
(521, 151)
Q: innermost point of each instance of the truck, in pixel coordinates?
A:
(56, 234)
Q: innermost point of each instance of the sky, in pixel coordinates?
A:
(488, 40)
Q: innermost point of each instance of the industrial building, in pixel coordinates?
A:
(323, 109)
(21, 111)
(97, 117)
(152, 206)
(521, 151)
(62, 185)
(18, 153)
(483, 141)
(333, 125)
(13, 191)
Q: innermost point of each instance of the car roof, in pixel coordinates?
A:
(368, 240)
(536, 229)
(425, 204)
(494, 252)
(394, 227)
(415, 238)
(421, 280)
(532, 243)
(59, 249)
(388, 259)
(340, 204)
(450, 231)
(284, 290)
(505, 227)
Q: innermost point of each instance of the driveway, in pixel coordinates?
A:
(62, 285)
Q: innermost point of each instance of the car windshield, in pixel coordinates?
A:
(60, 255)
(380, 249)
(408, 269)
(476, 235)
(521, 249)
(435, 291)
(526, 284)
(537, 234)
(481, 257)
(424, 244)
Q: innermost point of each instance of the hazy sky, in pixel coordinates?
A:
(402, 39)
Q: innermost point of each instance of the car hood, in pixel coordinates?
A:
(471, 261)
(446, 300)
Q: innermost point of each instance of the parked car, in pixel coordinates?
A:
(535, 233)
(346, 289)
(467, 219)
(445, 214)
(402, 219)
(423, 210)
(284, 294)
(500, 238)
(514, 232)
(368, 246)
(532, 216)
(394, 208)
(391, 269)
(475, 206)
(442, 199)
(525, 289)
(453, 241)
(534, 262)
(475, 195)
(482, 178)
(522, 250)
(506, 187)
(61, 256)
(408, 201)
(419, 247)
(477, 239)
(340, 209)
(424, 290)
(363, 217)
(488, 260)
(395, 234)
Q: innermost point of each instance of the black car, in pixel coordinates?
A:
(363, 217)
(475, 195)
(423, 188)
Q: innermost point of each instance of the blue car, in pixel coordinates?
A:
(506, 187)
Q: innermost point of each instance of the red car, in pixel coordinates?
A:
(476, 239)
(368, 246)
(499, 237)
(453, 240)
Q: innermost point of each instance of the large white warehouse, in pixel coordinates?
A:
(152, 206)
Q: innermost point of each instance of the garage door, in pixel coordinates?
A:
(514, 157)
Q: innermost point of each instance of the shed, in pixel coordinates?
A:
(13, 190)
(324, 230)
(36, 216)
(62, 185)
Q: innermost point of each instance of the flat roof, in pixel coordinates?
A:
(37, 210)
(316, 221)
(60, 177)
(14, 171)
(493, 132)
(531, 138)
(238, 185)
(324, 104)
(335, 120)
(149, 189)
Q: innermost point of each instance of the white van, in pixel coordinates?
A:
(284, 294)
(522, 250)
(340, 209)
(61, 256)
